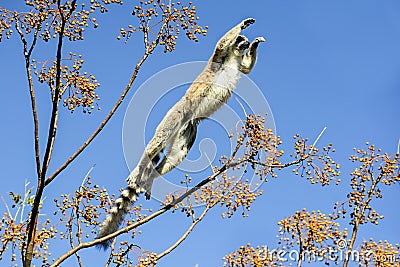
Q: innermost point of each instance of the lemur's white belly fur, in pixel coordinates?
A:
(219, 89)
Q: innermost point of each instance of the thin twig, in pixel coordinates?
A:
(280, 166)
(5, 204)
(185, 235)
(316, 140)
(301, 248)
(27, 55)
(87, 175)
(209, 162)
(123, 254)
(71, 237)
(26, 195)
(241, 105)
(358, 219)
(78, 230)
(111, 253)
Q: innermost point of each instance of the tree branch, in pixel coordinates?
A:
(185, 235)
(103, 123)
(138, 223)
(111, 253)
(357, 219)
(100, 240)
(113, 110)
(27, 55)
(31, 228)
(159, 212)
(301, 248)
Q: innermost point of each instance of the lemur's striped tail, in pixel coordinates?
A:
(117, 213)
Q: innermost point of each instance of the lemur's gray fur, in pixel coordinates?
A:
(177, 131)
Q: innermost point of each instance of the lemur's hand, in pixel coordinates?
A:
(259, 40)
(255, 42)
(247, 22)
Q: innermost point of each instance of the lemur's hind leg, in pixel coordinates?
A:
(179, 148)
(249, 59)
(164, 132)
(150, 155)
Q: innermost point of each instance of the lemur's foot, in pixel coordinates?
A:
(147, 187)
(133, 177)
(247, 22)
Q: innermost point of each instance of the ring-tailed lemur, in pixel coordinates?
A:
(177, 131)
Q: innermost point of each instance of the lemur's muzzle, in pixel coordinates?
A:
(244, 45)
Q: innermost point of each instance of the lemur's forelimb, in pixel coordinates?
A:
(249, 59)
(228, 40)
(165, 130)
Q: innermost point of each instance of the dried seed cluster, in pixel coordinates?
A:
(252, 256)
(376, 169)
(80, 211)
(317, 233)
(379, 254)
(46, 19)
(77, 86)
(311, 231)
(317, 166)
(162, 21)
(148, 259)
(13, 235)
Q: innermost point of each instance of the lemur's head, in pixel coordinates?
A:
(241, 43)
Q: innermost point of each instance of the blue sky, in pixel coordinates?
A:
(325, 63)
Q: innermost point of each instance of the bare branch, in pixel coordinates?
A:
(111, 253)
(103, 123)
(185, 235)
(100, 240)
(358, 217)
(111, 113)
(30, 242)
(5, 204)
(87, 175)
(27, 55)
(280, 166)
(71, 236)
(26, 195)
